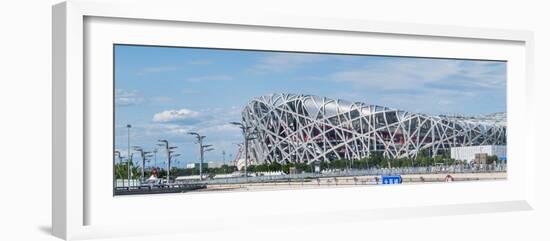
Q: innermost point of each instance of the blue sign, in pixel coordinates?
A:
(391, 179)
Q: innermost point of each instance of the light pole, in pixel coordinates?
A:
(117, 154)
(206, 148)
(143, 154)
(129, 161)
(248, 135)
(173, 159)
(148, 160)
(170, 156)
(201, 149)
(169, 151)
(155, 151)
(129, 171)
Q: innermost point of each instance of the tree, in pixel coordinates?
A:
(375, 159)
(492, 159)
(275, 166)
(121, 171)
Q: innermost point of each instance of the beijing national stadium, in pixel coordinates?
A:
(308, 128)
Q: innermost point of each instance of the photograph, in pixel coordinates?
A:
(194, 120)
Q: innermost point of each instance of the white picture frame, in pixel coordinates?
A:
(72, 188)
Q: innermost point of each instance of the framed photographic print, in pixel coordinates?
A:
(285, 124)
(214, 118)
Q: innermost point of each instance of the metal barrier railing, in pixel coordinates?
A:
(332, 173)
(351, 173)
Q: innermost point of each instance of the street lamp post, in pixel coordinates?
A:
(117, 154)
(148, 157)
(173, 159)
(170, 156)
(248, 135)
(129, 161)
(144, 155)
(169, 151)
(201, 149)
(129, 171)
(155, 151)
(206, 148)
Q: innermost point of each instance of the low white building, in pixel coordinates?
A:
(468, 153)
(188, 178)
(214, 164)
(192, 165)
(277, 173)
(229, 175)
(204, 165)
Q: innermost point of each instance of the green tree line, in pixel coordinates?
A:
(375, 160)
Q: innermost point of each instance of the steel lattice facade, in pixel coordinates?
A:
(307, 128)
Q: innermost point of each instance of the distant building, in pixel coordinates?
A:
(204, 165)
(214, 164)
(469, 153)
(192, 165)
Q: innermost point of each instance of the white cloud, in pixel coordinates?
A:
(417, 74)
(444, 102)
(199, 62)
(175, 115)
(165, 128)
(279, 62)
(171, 68)
(209, 78)
(217, 129)
(127, 98)
(188, 91)
(158, 69)
(425, 85)
(161, 99)
(397, 74)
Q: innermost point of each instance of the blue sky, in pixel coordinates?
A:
(165, 92)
